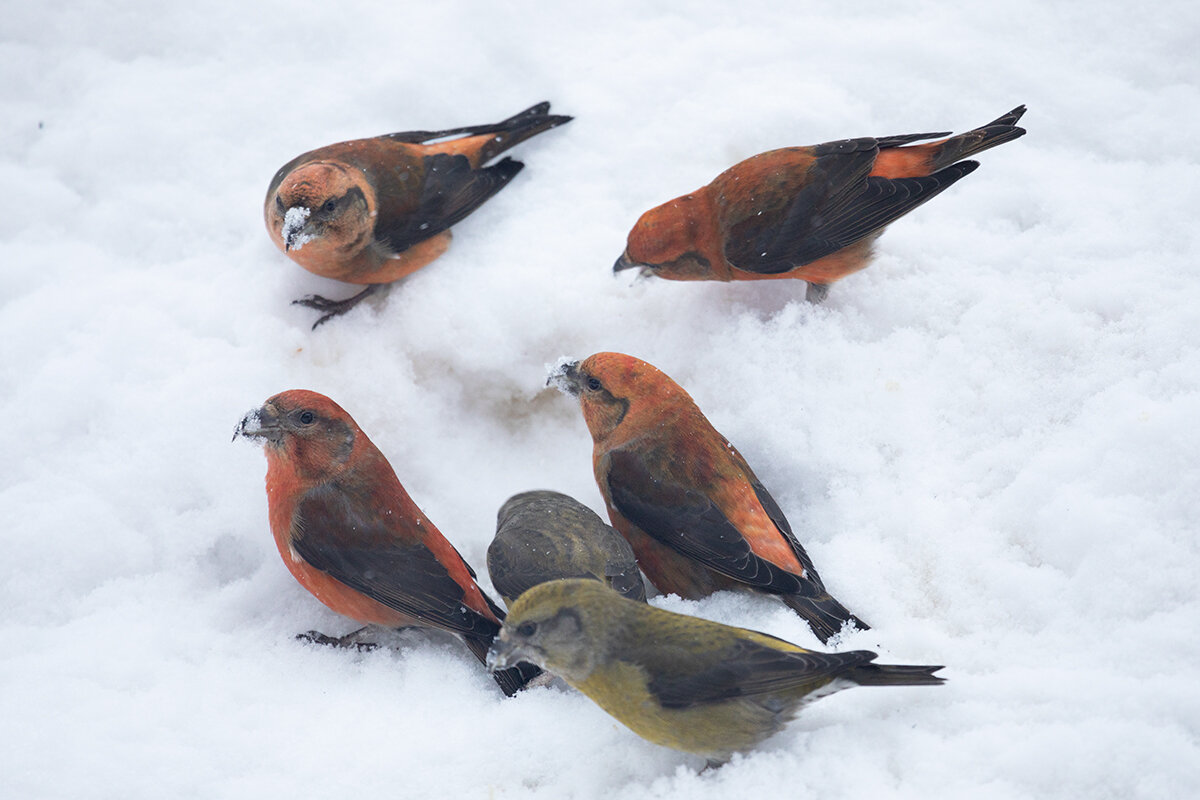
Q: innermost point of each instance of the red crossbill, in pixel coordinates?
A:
(542, 536)
(371, 211)
(350, 534)
(689, 504)
(679, 681)
(811, 213)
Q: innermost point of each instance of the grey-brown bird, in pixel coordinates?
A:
(371, 211)
(543, 536)
(679, 681)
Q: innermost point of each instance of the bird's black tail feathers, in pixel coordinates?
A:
(997, 132)
(824, 614)
(511, 680)
(508, 133)
(893, 675)
(518, 128)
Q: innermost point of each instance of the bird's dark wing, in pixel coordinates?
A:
(621, 571)
(519, 562)
(449, 190)
(742, 669)
(407, 578)
(690, 523)
(807, 215)
(776, 514)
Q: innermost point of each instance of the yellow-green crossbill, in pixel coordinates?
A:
(542, 536)
(679, 681)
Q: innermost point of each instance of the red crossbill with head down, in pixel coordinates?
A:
(371, 211)
(679, 681)
(543, 536)
(350, 534)
(697, 517)
(811, 213)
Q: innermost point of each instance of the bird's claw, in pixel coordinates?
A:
(334, 308)
(349, 640)
(816, 292)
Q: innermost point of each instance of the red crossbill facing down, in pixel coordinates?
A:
(350, 534)
(811, 213)
(697, 517)
(371, 211)
(542, 536)
(679, 681)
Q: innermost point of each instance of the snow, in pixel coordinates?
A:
(294, 220)
(987, 441)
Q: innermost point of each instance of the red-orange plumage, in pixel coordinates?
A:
(811, 213)
(350, 534)
(371, 211)
(697, 517)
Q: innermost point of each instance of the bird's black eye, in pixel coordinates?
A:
(527, 628)
(593, 384)
(330, 206)
(307, 417)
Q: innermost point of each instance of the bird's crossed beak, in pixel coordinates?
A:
(505, 653)
(261, 423)
(624, 263)
(565, 377)
(296, 231)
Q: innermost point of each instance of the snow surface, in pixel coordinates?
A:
(987, 441)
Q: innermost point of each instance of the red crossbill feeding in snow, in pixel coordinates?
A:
(542, 536)
(351, 535)
(811, 213)
(371, 211)
(679, 681)
(697, 517)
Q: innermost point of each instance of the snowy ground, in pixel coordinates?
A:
(988, 441)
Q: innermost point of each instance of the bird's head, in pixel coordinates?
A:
(614, 388)
(320, 202)
(563, 626)
(307, 430)
(666, 242)
(537, 501)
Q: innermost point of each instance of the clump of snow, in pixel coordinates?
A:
(987, 440)
(294, 220)
(556, 374)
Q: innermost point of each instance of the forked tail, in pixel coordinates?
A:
(996, 132)
(824, 614)
(516, 129)
(505, 134)
(893, 675)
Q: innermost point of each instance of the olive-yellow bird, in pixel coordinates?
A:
(679, 681)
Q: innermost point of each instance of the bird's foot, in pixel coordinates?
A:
(335, 308)
(351, 639)
(817, 292)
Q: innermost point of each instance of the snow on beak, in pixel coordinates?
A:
(564, 376)
(295, 231)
